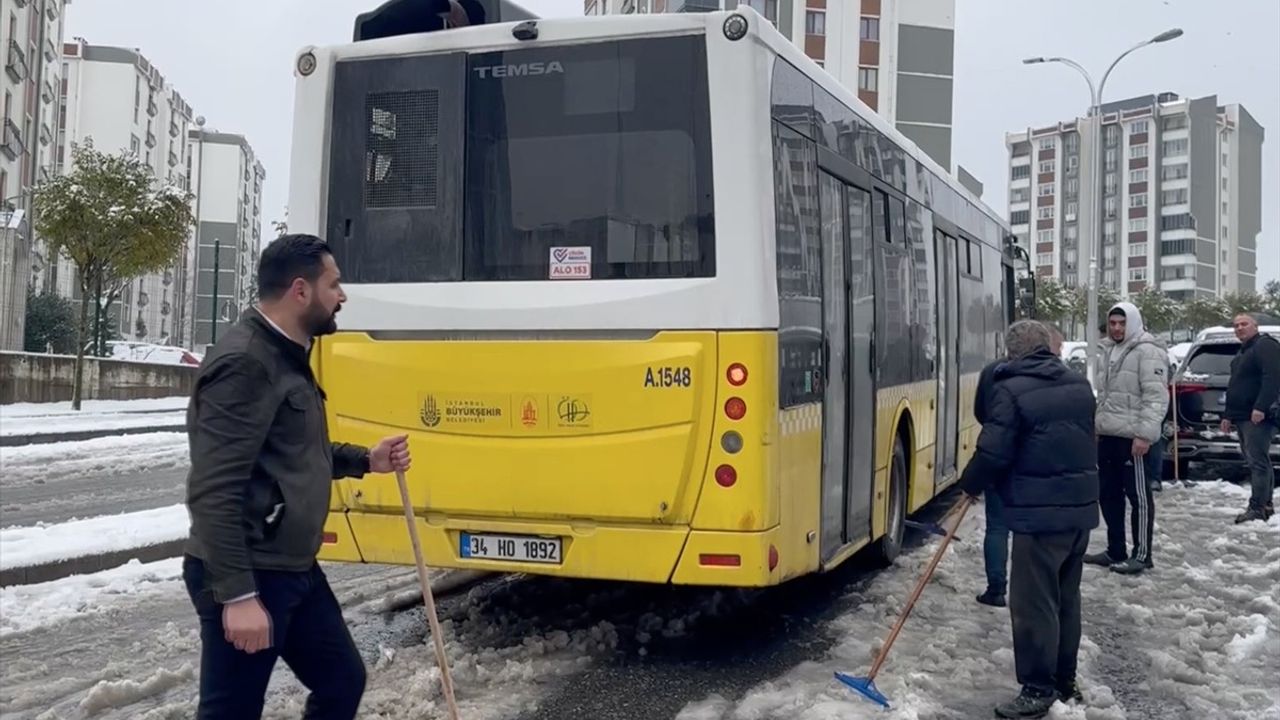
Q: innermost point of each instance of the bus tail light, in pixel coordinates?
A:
(329, 538)
(773, 558)
(726, 476)
(736, 374)
(735, 408)
(720, 560)
(731, 442)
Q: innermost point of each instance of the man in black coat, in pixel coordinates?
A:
(1037, 449)
(1252, 394)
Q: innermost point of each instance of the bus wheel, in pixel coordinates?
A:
(889, 545)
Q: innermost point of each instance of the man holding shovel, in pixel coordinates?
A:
(1037, 450)
(262, 467)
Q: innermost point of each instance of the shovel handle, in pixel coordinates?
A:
(442, 660)
(963, 506)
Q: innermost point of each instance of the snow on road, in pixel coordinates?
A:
(96, 423)
(91, 407)
(1195, 638)
(106, 457)
(1198, 637)
(27, 607)
(44, 543)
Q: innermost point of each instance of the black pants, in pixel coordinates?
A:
(307, 631)
(1121, 476)
(1044, 604)
(1255, 444)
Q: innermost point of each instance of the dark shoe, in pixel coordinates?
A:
(1269, 510)
(1132, 566)
(1028, 704)
(1100, 558)
(1250, 515)
(992, 598)
(1070, 692)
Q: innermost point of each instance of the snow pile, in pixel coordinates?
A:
(27, 607)
(117, 455)
(109, 694)
(1195, 638)
(38, 544)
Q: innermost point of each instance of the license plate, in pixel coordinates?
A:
(518, 548)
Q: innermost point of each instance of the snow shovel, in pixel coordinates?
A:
(441, 659)
(866, 686)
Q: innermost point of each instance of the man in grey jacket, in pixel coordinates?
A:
(262, 469)
(1131, 382)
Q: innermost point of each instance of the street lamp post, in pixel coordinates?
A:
(213, 311)
(1096, 178)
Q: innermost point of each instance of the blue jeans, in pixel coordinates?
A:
(995, 545)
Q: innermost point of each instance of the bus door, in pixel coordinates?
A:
(835, 346)
(862, 389)
(948, 353)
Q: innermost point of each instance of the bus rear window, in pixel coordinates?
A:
(589, 161)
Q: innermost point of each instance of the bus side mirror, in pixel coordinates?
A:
(1027, 297)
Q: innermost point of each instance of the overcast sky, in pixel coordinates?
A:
(233, 61)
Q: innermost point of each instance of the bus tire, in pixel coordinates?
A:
(889, 546)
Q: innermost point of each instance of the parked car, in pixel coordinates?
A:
(1198, 396)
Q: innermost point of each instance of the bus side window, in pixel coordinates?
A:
(880, 216)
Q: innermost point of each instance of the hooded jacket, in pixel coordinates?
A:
(1131, 380)
(1036, 447)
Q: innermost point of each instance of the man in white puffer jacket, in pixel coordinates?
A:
(1131, 381)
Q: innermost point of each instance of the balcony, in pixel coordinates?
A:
(173, 159)
(151, 139)
(174, 131)
(12, 145)
(46, 135)
(46, 92)
(50, 50)
(16, 63)
(152, 108)
(51, 10)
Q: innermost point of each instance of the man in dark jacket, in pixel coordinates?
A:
(995, 541)
(1252, 394)
(1037, 449)
(258, 492)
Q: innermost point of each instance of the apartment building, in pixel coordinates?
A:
(1181, 204)
(30, 38)
(227, 179)
(119, 100)
(899, 54)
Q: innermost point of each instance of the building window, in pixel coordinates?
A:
(1175, 148)
(1045, 189)
(1045, 213)
(767, 8)
(1020, 195)
(1174, 172)
(1112, 135)
(1073, 208)
(1138, 176)
(1138, 151)
(1138, 249)
(1019, 172)
(1138, 224)
(1046, 143)
(1138, 200)
(869, 29)
(1044, 259)
(1071, 143)
(1044, 236)
(1019, 217)
(1137, 274)
(1177, 196)
(1110, 208)
(1109, 184)
(815, 22)
(1073, 162)
(1138, 127)
(1072, 187)
(868, 79)
(1047, 166)
(1174, 122)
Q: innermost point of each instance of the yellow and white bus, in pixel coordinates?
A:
(654, 297)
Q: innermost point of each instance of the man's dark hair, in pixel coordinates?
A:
(288, 257)
(1118, 311)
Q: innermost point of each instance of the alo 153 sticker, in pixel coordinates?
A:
(570, 263)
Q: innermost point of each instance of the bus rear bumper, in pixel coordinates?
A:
(630, 553)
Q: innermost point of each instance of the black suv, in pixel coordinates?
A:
(1199, 393)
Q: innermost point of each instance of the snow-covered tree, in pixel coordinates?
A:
(115, 221)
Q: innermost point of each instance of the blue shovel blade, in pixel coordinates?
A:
(865, 686)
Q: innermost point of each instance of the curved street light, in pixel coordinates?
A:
(1095, 184)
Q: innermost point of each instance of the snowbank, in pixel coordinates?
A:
(38, 544)
(92, 407)
(25, 607)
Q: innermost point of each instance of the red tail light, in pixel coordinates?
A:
(726, 476)
(773, 558)
(735, 408)
(720, 560)
(329, 538)
(736, 374)
(1190, 388)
